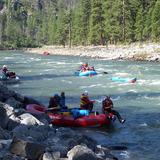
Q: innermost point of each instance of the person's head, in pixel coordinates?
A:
(4, 67)
(107, 97)
(56, 95)
(62, 94)
(85, 93)
(86, 64)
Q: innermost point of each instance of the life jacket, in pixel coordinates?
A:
(11, 74)
(53, 102)
(84, 100)
(107, 103)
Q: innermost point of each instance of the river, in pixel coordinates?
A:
(43, 76)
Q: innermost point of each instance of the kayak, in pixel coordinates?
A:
(91, 120)
(10, 80)
(123, 79)
(85, 73)
(69, 120)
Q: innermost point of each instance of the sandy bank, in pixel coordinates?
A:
(147, 51)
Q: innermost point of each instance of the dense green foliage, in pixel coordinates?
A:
(26, 23)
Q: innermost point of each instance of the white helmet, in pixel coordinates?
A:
(4, 66)
(85, 93)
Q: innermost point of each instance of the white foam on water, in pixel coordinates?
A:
(155, 82)
(116, 98)
(125, 154)
(35, 59)
(132, 91)
(69, 82)
(122, 74)
(6, 58)
(91, 86)
(123, 83)
(61, 63)
(143, 125)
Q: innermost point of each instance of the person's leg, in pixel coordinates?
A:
(90, 107)
(121, 120)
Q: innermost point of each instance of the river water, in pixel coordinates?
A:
(42, 76)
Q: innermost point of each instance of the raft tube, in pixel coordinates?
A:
(84, 121)
(10, 80)
(122, 79)
(35, 109)
(86, 73)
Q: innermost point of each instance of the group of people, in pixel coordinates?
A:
(6, 74)
(85, 67)
(57, 103)
(107, 105)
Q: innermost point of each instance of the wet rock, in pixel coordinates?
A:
(3, 116)
(20, 131)
(13, 122)
(39, 133)
(63, 150)
(104, 153)
(26, 149)
(80, 152)
(51, 156)
(4, 134)
(14, 103)
(29, 119)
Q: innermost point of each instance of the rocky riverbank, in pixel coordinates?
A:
(24, 136)
(137, 52)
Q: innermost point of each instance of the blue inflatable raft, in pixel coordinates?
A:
(123, 79)
(85, 73)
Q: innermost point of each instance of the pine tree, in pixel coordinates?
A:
(156, 21)
(97, 32)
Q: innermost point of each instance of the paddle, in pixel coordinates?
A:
(105, 72)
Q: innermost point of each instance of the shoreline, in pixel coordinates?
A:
(133, 52)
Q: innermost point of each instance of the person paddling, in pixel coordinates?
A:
(62, 101)
(85, 102)
(107, 106)
(54, 103)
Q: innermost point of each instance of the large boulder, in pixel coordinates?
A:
(28, 149)
(3, 116)
(4, 134)
(28, 119)
(14, 103)
(80, 152)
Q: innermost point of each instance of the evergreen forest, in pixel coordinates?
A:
(33, 23)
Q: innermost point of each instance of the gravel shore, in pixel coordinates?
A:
(138, 52)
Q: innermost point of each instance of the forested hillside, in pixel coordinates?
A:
(31, 23)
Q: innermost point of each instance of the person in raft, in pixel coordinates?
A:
(54, 103)
(107, 106)
(85, 102)
(4, 71)
(6, 74)
(62, 101)
(85, 67)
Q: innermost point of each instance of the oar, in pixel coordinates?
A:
(103, 72)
